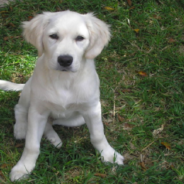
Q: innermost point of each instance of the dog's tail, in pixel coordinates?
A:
(10, 86)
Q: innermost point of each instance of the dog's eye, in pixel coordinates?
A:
(79, 38)
(54, 36)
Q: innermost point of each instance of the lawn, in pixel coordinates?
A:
(142, 84)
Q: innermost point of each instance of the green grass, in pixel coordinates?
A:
(141, 104)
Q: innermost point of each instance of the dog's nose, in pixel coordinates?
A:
(65, 60)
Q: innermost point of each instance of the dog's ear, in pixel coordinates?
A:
(99, 35)
(33, 30)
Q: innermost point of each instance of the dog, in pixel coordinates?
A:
(64, 87)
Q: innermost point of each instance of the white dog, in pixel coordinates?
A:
(64, 87)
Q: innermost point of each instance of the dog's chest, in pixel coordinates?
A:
(64, 109)
(64, 102)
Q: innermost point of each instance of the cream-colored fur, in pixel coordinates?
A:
(67, 94)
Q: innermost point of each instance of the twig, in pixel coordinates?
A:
(148, 146)
(165, 48)
(114, 108)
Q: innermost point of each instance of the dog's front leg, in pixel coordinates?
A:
(35, 129)
(94, 123)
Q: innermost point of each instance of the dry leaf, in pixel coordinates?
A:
(142, 164)
(143, 74)
(16, 36)
(181, 49)
(4, 166)
(6, 38)
(1, 174)
(128, 156)
(30, 17)
(106, 124)
(114, 169)
(10, 37)
(137, 30)
(19, 145)
(3, 12)
(171, 40)
(157, 131)
(131, 8)
(127, 126)
(156, 17)
(132, 146)
(58, 9)
(129, 2)
(166, 144)
(101, 175)
(108, 8)
(11, 24)
(120, 118)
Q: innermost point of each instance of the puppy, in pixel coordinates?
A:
(64, 87)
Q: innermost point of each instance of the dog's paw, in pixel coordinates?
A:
(110, 155)
(20, 130)
(54, 139)
(20, 172)
(18, 175)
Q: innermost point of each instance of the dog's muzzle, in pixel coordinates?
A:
(65, 60)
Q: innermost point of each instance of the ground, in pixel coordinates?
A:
(141, 73)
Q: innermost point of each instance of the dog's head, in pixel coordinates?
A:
(67, 38)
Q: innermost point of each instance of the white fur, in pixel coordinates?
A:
(10, 86)
(69, 98)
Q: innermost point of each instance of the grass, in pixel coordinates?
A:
(141, 73)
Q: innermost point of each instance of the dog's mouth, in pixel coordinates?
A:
(65, 69)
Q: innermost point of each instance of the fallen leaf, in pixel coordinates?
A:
(181, 49)
(120, 118)
(20, 75)
(101, 175)
(10, 37)
(128, 156)
(157, 131)
(108, 8)
(156, 17)
(127, 126)
(1, 174)
(3, 12)
(10, 25)
(113, 170)
(19, 145)
(129, 2)
(106, 124)
(143, 74)
(16, 36)
(132, 146)
(171, 40)
(4, 166)
(137, 30)
(131, 8)
(58, 9)
(166, 144)
(6, 38)
(142, 164)
(30, 17)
